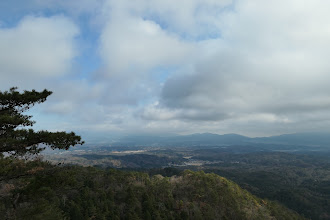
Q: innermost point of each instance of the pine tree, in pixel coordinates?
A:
(17, 140)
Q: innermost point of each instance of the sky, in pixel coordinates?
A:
(256, 68)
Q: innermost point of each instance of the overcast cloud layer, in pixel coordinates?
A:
(123, 67)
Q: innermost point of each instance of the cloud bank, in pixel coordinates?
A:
(254, 68)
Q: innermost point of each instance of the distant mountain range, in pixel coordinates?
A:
(306, 139)
(209, 139)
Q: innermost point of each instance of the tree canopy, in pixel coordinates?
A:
(18, 140)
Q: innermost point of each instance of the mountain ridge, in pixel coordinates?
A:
(199, 139)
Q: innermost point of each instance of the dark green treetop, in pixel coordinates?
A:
(14, 138)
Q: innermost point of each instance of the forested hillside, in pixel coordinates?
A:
(39, 190)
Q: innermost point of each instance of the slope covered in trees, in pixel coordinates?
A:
(74, 192)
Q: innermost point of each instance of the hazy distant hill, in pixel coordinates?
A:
(310, 139)
(185, 140)
(208, 139)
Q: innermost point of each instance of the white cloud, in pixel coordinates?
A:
(132, 44)
(251, 67)
(241, 66)
(274, 56)
(189, 18)
(38, 47)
